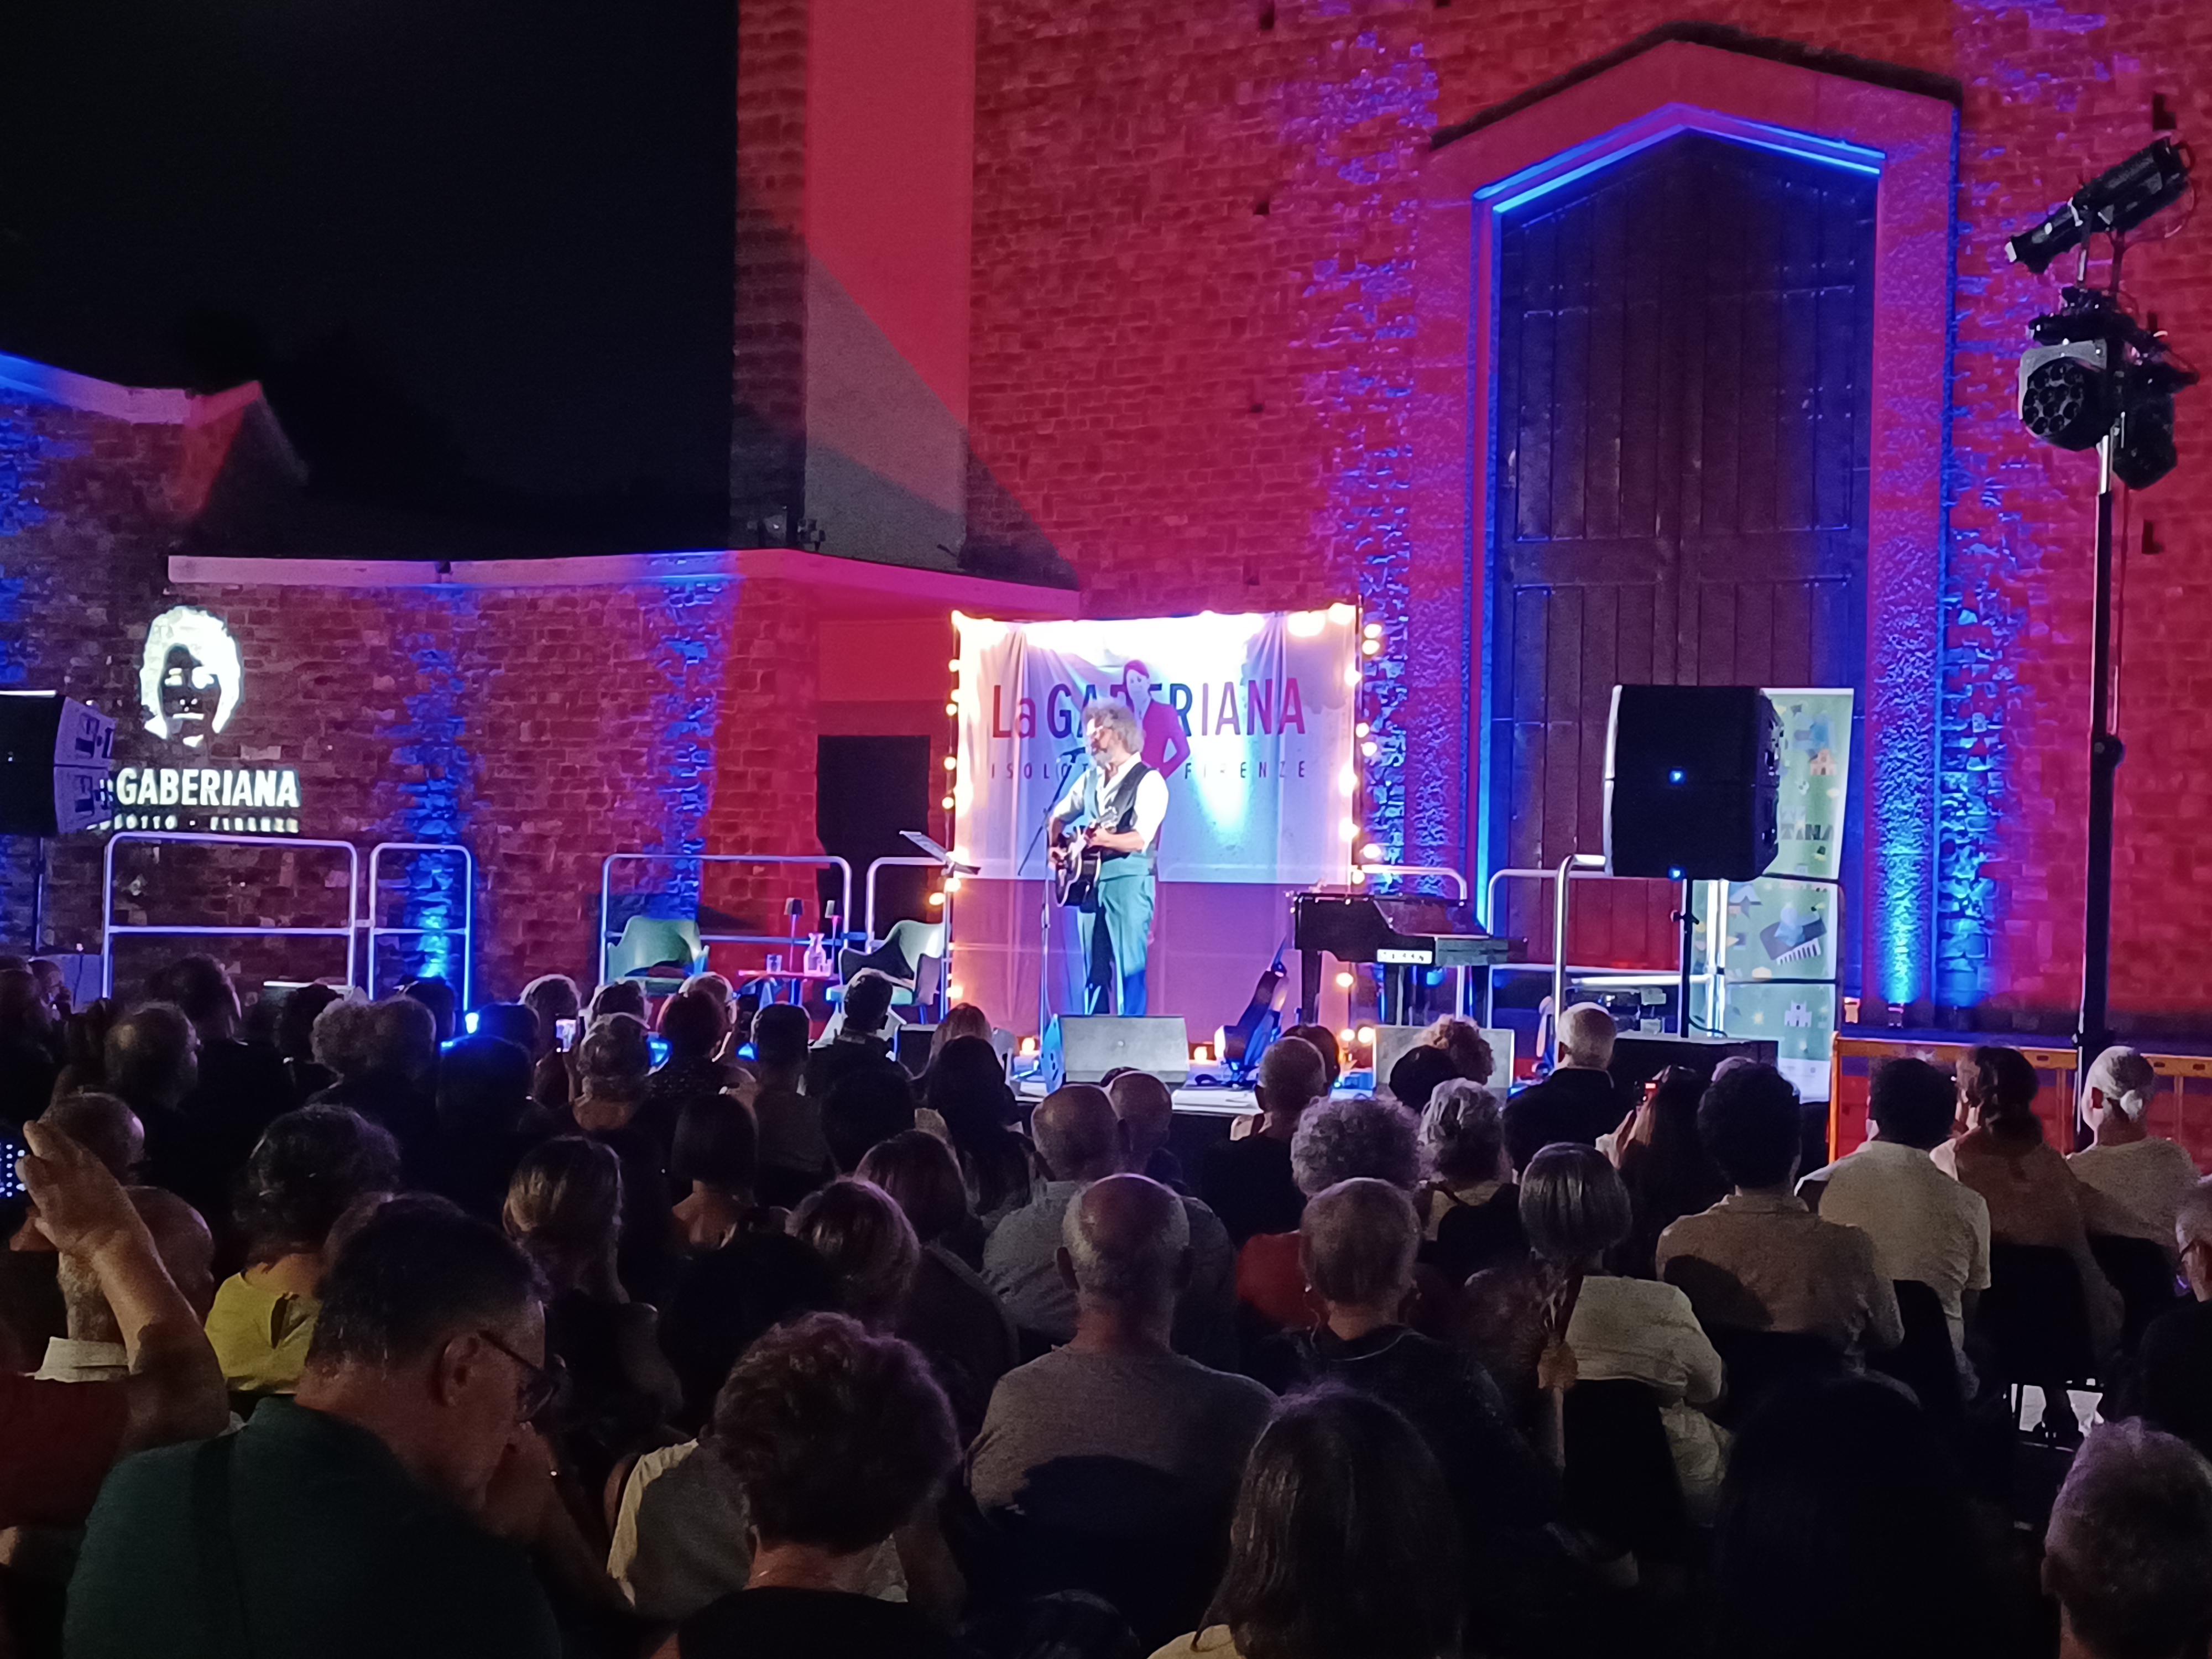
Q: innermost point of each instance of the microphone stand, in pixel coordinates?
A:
(1044, 936)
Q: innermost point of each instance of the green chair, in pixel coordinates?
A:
(651, 943)
(912, 956)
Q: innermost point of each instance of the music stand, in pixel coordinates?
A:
(952, 867)
(942, 854)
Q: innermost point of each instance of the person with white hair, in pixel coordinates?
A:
(1118, 802)
(1111, 1464)
(1579, 1101)
(2143, 1174)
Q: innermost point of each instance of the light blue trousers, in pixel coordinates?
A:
(1115, 925)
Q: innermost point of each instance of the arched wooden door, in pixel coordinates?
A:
(1683, 351)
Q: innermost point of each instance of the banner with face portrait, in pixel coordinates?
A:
(1249, 718)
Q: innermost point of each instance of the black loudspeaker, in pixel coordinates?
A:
(55, 755)
(1084, 1048)
(1691, 773)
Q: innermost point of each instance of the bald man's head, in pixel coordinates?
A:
(1292, 1076)
(182, 1239)
(153, 1056)
(1078, 1133)
(1126, 1244)
(1146, 1110)
(103, 1126)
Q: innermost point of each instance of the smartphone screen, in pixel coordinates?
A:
(564, 1032)
(11, 1184)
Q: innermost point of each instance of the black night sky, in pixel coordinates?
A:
(479, 253)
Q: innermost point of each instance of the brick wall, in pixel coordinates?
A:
(1193, 371)
(544, 725)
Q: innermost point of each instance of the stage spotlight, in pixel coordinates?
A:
(2115, 202)
(2142, 443)
(2067, 393)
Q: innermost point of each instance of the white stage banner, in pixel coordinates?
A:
(1250, 719)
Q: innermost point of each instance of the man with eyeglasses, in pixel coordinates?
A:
(2170, 1384)
(394, 1506)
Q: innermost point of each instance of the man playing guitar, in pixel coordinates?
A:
(1119, 802)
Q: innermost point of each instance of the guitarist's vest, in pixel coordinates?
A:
(1117, 812)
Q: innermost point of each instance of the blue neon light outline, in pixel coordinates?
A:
(1516, 190)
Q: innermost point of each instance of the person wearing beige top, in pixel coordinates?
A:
(2145, 1175)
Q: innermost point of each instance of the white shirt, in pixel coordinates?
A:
(71, 1361)
(1645, 1331)
(2146, 1178)
(1925, 1226)
(1151, 804)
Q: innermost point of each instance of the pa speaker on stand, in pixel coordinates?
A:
(1692, 775)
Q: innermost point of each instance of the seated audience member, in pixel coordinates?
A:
(2170, 1385)
(62, 1438)
(1925, 1226)
(1760, 1260)
(692, 1023)
(1343, 1543)
(1358, 1241)
(838, 1439)
(30, 1047)
(392, 1508)
(1146, 1111)
(866, 1106)
(554, 999)
(2128, 1551)
(612, 1063)
(742, 1272)
(794, 1157)
(961, 1019)
(53, 986)
(1471, 1210)
(1419, 1072)
(295, 1039)
(2033, 1197)
(1848, 1483)
(1079, 1139)
(84, 1044)
(93, 1351)
(1463, 1041)
(866, 1242)
(564, 1207)
(1336, 1140)
(966, 1087)
(1579, 1101)
(510, 1022)
(861, 1038)
(152, 1058)
(949, 1312)
(1576, 1209)
(1111, 1464)
(485, 1121)
(310, 1168)
(714, 986)
(103, 1126)
(1248, 1183)
(1322, 1042)
(1664, 1165)
(620, 996)
(437, 995)
(241, 1086)
(2143, 1175)
(386, 1055)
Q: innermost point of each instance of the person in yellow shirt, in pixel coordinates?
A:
(309, 1169)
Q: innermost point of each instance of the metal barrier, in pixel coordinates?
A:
(868, 897)
(111, 929)
(467, 929)
(1590, 867)
(818, 861)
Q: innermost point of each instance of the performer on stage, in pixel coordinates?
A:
(1121, 801)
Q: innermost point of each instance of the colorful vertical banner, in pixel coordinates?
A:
(1249, 718)
(1781, 958)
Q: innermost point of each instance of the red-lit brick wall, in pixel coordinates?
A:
(1193, 370)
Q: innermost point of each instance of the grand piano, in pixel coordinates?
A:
(1396, 933)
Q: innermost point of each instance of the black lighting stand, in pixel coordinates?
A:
(1687, 918)
(2091, 1033)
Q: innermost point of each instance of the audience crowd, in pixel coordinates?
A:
(621, 1326)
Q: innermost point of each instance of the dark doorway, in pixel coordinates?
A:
(866, 790)
(1685, 343)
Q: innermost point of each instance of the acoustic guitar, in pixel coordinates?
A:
(1074, 863)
